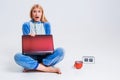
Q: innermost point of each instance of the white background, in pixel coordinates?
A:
(81, 27)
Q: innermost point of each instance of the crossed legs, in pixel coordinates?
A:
(47, 64)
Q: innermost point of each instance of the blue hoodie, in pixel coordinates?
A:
(26, 27)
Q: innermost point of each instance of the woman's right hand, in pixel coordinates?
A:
(32, 34)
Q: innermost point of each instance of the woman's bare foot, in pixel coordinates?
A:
(58, 71)
(29, 70)
(43, 68)
(25, 70)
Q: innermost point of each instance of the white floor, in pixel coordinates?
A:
(106, 66)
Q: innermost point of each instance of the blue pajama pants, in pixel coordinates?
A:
(32, 61)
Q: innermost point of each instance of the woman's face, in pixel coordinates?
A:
(36, 14)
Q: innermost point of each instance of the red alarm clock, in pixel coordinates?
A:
(78, 64)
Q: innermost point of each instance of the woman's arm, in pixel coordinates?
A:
(47, 28)
(26, 28)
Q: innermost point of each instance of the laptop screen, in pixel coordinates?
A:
(39, 44)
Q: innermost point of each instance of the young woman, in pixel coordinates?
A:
(36, 26)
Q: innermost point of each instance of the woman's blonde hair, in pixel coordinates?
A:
(43, 18)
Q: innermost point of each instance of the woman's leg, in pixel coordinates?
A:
(29, 63)
(25, 61)
(54, 58)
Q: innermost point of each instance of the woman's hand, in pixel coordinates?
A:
(33, 35)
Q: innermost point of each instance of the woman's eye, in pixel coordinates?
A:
(39, 11)
(34, 11)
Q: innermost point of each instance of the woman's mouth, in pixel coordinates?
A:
(36, 17)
